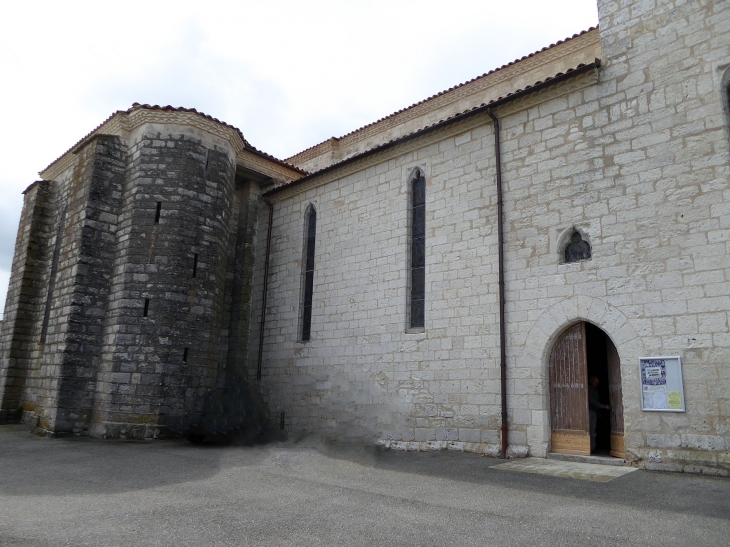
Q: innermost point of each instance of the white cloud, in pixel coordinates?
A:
(289, 74)
(4, 280)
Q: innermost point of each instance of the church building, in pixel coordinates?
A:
(535, 261)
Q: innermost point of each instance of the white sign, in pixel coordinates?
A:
(662, 388)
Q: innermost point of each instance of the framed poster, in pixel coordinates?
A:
(662, 389)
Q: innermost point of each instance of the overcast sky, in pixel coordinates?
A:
(288, 74)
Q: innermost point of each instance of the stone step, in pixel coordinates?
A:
(600, 460)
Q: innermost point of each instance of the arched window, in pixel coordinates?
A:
(308, 272)
(577, 248)
(418, 251)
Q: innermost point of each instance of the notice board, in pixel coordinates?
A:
(662, 389)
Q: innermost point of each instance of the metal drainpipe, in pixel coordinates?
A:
(265, 290)
(500, 236)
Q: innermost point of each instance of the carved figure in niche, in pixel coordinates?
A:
(577, 249)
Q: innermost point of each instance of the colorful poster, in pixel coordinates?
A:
(661, 384)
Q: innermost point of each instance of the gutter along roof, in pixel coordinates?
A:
(537, 86)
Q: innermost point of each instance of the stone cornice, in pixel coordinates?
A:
(580, 81)
(399, 149)
(121, 123)
(59, 166)
(136, 118)
(430, 136)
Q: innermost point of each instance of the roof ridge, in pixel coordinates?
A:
(439, 94)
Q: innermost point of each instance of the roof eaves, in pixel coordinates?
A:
(537, 86)
(269, 157)
(169, 108)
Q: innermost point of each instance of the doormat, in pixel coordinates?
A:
(567, 470)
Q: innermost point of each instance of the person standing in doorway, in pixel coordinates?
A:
(595, 406)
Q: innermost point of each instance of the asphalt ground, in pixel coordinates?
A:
(57, 492)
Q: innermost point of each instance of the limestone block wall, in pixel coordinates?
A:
(162, 330)
(362, 375)
(117, 308)
(61, 343)
(25, 300)
(638, 161)
(667, 151)
(79, 284)
(238, 292)
(40, 395)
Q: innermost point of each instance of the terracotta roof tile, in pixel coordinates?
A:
(169, 108)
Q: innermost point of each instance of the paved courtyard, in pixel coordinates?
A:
(56, 492)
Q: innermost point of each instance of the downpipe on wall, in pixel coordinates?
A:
(500, 227)
(500, 237)
(265, 290)
(489, 109)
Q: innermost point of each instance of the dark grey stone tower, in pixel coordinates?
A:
(131, 281)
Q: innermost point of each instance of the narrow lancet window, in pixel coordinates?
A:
(727, 92)
(308, 274)
(418, 252)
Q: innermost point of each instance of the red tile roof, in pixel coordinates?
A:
(168, 108)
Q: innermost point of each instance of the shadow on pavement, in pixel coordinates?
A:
(649, 490)
(61, 467)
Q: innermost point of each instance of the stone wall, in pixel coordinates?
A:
(78, 304)
(638, 161)
(24, 306)
(242, 233)
(665, 133)
(138, 276)
(127, 268)
(362, 375)
(69, 276)
(160, 364)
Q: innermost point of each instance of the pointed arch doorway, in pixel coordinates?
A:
(581, 352)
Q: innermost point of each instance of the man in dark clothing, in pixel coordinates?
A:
(594, 405)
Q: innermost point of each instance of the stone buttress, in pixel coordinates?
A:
(133, 262)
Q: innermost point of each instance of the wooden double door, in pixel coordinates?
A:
(569, 377)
